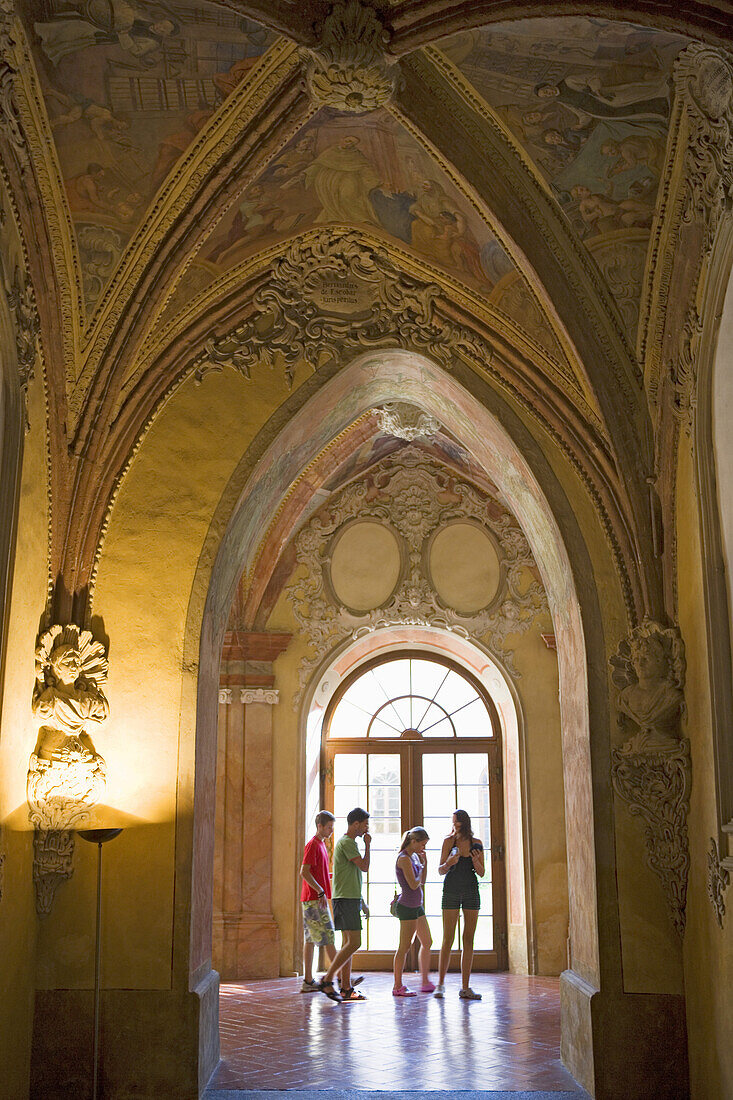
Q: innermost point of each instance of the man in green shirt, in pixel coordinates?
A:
(348, 867)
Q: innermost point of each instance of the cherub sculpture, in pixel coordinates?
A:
(650, 671)
(66, 776)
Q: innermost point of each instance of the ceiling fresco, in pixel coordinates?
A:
(127, 88)
(367, 171)
(589, 102)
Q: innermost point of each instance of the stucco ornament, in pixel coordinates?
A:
(404, 421)
(66, 776)
(348, 70)
(652, 771)
(718, 881)
(10, 123)
(22, 303)
(414, 497)
(331, 293)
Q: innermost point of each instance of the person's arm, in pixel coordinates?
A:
(362, 862)
(307, 875)
(408, 871)
(477, 857)
(423, 857)
(446, 859)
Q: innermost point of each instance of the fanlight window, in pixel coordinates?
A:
(411, 698)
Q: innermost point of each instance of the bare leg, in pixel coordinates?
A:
(426, 942)
(450, 920)
(407, 931)
(351, 943)
(470, 917)
(308, 961)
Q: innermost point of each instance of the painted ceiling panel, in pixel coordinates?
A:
(127, 87)
(589, 102)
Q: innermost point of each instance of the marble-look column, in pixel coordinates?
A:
(246, 942)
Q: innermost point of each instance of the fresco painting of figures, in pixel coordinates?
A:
(127, 86)
(365, 171)
(589, 101)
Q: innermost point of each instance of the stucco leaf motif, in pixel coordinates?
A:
(22, 303)
(414, 497)
(348, 70)
(328, 294)
(718, 881)
(66, 775)
(10, 123)
(652, 771)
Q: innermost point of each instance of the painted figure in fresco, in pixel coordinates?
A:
(342, 178)
(599, 100)
(634, 151)
(84, 191)
(652, 697)
(174, 145)
(101, 22)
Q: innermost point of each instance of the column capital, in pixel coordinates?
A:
(225, 695)
(269, 696)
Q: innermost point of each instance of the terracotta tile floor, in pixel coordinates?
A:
(274, 1037)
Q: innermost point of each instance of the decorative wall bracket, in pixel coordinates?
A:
(656, 785)
(348, 70)
(331, 293)
(66, 776)
(718, 881)
(652, 772)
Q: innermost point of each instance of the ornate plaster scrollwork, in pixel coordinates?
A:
(718, 881)
(652, 771)
(22, 303)
(66, 776)
(269, 696)
(10, 123)
(348, 69)
(414, 497)
(225, 696)
(404, 421)
(331, 293)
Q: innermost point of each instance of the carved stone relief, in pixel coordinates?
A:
(331, 293)
(66, 776)
(652, 771)
(10, 123)
(718, 881)
(22, 303)
(415, 497)
(348, 70)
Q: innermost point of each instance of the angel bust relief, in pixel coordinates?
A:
(66, 776)
(650, 671)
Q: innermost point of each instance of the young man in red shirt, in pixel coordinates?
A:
(315, 896)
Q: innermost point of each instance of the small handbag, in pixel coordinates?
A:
(394, 903)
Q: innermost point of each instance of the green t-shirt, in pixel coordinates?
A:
(346, 875)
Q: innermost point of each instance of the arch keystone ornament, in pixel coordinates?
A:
(66, 775)
(652, 771)
(348, 70)
(332, 293)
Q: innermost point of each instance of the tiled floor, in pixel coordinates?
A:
(274, 1037)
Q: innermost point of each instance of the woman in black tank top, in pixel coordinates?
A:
(461, 861)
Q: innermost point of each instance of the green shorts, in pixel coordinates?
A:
(408, 912)
(347, 914)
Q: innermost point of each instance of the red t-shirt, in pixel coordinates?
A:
(316, 856)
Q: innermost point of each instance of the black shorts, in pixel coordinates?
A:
(462, 897)
(408, 912)
(347, 914)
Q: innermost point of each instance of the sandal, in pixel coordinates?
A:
(403, 991)
(327, 988)
(350, 994)
(427, 987)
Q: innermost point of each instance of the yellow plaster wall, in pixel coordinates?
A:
(708, 949)
(146, 571)
(18, 921)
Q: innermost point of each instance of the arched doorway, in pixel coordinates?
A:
(411, 738)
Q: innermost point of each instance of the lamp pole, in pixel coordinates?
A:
(98, 837)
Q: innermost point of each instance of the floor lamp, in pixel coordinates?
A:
(98, 837)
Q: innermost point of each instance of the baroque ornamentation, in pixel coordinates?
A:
(269, 696)
(22, 303)
(405, 421)
(414, 497)
(348, 70)
(330, 293)
(66, 776)
(718, 881)
(225, 696)
(10, 123)
(652, 771)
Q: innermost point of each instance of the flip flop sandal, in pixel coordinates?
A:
(403, 991)
(327, 988)
(357, 981)
(351, 994)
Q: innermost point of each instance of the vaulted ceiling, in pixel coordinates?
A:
(518, 168)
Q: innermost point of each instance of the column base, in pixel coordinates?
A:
(246, 945)
(154, 1044)
(624, 1046)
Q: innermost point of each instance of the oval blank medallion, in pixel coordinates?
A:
(365, 565)
(464, 567)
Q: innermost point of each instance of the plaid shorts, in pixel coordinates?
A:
(317, 923)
